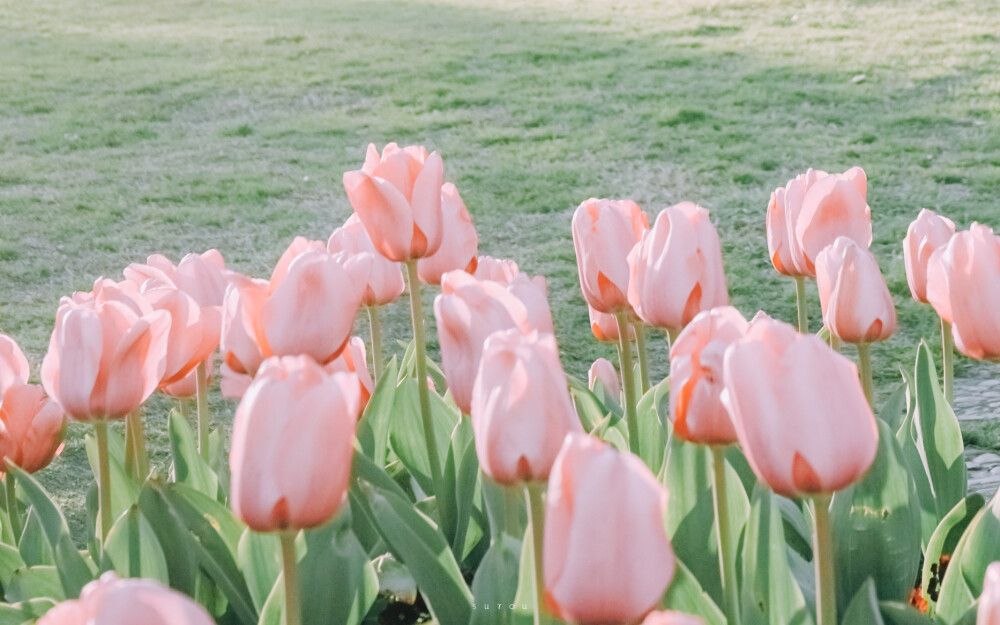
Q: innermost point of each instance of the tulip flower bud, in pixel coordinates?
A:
(675, 271)
(604, 326)
(459, 241)
(383, 278)
(500, 270)
(521, 408)
(604, 232)
(31, 427)
(113, 601)
(194, 330)
(696, 360)
(604, 376)
(799, 410)
(397, 196)
(672, 618)
(604, 506)
(293, 440)
(988, 612)
(928, 232)
(198, 275)
(856, 303)
(354, 360)
(14, 367)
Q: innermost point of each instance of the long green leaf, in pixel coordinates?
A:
(338, 584)
(685, 594)
(373, 428)
(189, 467)
(406, 435)
(863, 607)
(977, 548)
(133, 549)
(944, 541)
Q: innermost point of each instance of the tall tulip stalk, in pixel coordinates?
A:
(420, 349)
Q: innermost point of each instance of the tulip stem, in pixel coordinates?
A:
(826, 598)
(640, 346)
(136, 456)
(727, 564)
(865, 369)
(289, 566)
(103, 478)
(947, 360)
(201, 380)
(801, 304)
(378, 363)
(13, 515)
(536, 513)
(628, 380)
(417, 316)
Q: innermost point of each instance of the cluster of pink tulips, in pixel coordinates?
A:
(514, 493)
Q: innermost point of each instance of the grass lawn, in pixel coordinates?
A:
(128, 128)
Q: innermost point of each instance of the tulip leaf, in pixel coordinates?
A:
(373, 428)
(976, 549)
(461, 477)
(414, 539)
(189, 467)
(894, 409)
(272, 612)
(651, 411)
(24, 612)
(406, 435)
(863, 607)
(182, 562)
(592, 407)
(944, 540)
(496, 582)
(34, 582)
(259, 558)
(770, 593)
(685, 594)
(133, 550)
(73, 569)
(899, 613)
(10, 561)
(876, 528)
(33, 543)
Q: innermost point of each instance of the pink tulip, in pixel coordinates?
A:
(469, 310)
(696, 364)
(928, 232)
(105, 357)
(521, 408)
(856, 303)
(798, 229)
(194, 330)
(672, 618)
(397, 195)
(459, 241)
(307, 307)
(988, 612)
(675, 271)
(607, 559)
(354, 360)
(603, 375)
(496, 269)
(963, 284)
(188, 385)
(201, 276)
(384, 282)
(31, 427)
(799, 410)
(604, 326)
(14, 367)
(113, 601)
(293, 439)
(604, 232)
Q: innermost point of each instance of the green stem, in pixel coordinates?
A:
(289, 566)
(13, 514)
(640, 343)
(136, 456)
(826, 598)
(201, 379)
(865, 368)
(378, 363)
(417, 317)
(947, 360)
(536, 512)
(727, 564)
(103, 478)
(801, 304)
(628, 380)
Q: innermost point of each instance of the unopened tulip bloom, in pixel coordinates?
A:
(459, 241)
(113, 601)
(605, 327)
(672, 618)
(31, 427)
(384, 279)
(675, 271)
(857, 305)
(521, 408)
(397, 195)
(469, 310)
(199, 275)
(194, 330)
(696, 385)
(963, 284)
(782, 215)
(293, 438)
(927, 233)
(354, 360)
(607, 557)
(308, 307)
(988, 612)
(604, 232)
(799, 411)
(14, 367)
(835, 206)
(501, 270)
(603, 375)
